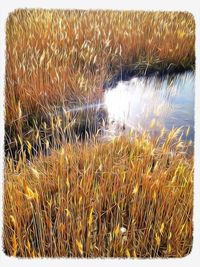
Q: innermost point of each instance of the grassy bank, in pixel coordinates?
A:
(118, 199)
(56, 57)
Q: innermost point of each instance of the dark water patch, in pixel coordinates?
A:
(126, 73)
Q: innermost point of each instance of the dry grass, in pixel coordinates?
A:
(66, 56)
(115, 199)
(132, 197)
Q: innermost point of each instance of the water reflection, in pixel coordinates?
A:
(151, 104)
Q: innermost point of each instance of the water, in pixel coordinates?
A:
(141, 104)
(151, 104)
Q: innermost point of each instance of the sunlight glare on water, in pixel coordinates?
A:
(151, 104)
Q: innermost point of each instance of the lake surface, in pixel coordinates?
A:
(151, 104)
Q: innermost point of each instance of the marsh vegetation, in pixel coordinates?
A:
(96, 166)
